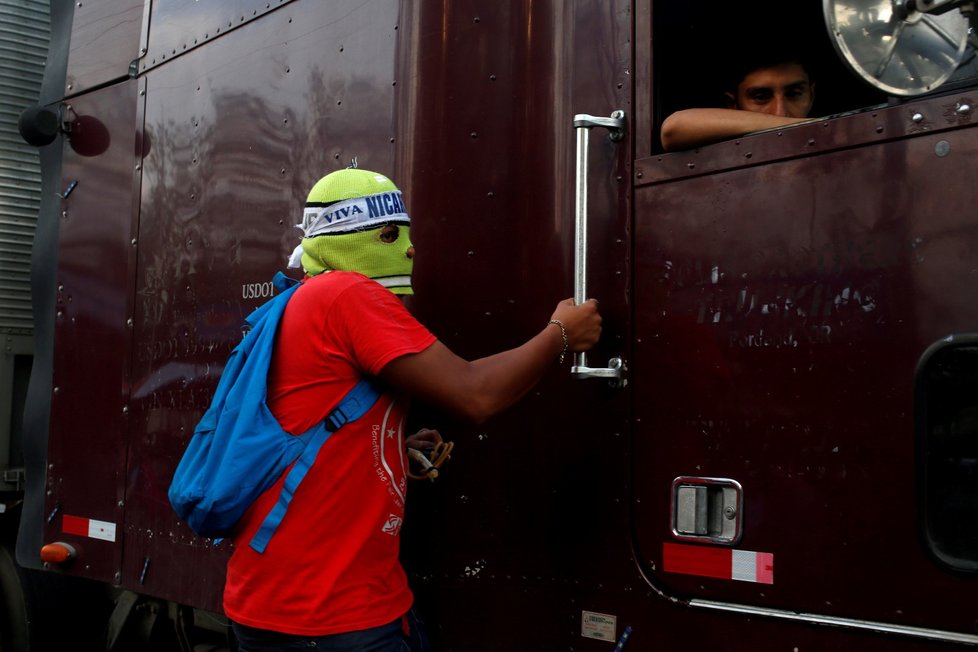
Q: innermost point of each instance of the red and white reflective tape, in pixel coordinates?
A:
(722, 563)
(88, 527)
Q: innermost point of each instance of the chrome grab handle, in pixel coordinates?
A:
(583, 124)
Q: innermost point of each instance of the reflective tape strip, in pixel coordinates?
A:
(88, 527)
(721, 563)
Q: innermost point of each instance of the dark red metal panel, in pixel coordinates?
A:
(528, 524)
(182, 25)
(105, 38)
(89, 403)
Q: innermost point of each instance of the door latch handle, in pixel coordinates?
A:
(707, 509)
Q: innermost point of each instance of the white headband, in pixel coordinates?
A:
(359, 214)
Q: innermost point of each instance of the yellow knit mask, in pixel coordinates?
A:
(364, 252)
(355, 220)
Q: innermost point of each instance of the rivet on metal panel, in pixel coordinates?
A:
(879, 129)
(917, 118)
(963, 108)
(125, 409)
(133, 242)
(118, 577)
(129, 322)
(942, 148)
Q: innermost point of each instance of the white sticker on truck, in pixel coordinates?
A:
(599, 626)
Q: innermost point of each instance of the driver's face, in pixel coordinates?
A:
(783, 90)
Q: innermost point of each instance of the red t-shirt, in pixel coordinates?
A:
(332, 566)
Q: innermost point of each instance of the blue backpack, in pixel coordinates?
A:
(238, 449)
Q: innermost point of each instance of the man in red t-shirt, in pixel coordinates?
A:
(330, 576)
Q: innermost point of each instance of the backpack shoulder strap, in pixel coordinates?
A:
(353, 406)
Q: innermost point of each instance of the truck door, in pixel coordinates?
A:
(804, 370)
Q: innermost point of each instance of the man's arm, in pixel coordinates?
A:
(694, 127)
(478, 389)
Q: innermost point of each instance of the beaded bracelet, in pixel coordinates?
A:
(563, 334)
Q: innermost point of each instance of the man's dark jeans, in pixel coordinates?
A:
(392, 637)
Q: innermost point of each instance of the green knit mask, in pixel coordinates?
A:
(355, 220)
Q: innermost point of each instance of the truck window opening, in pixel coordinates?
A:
(693, 41)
